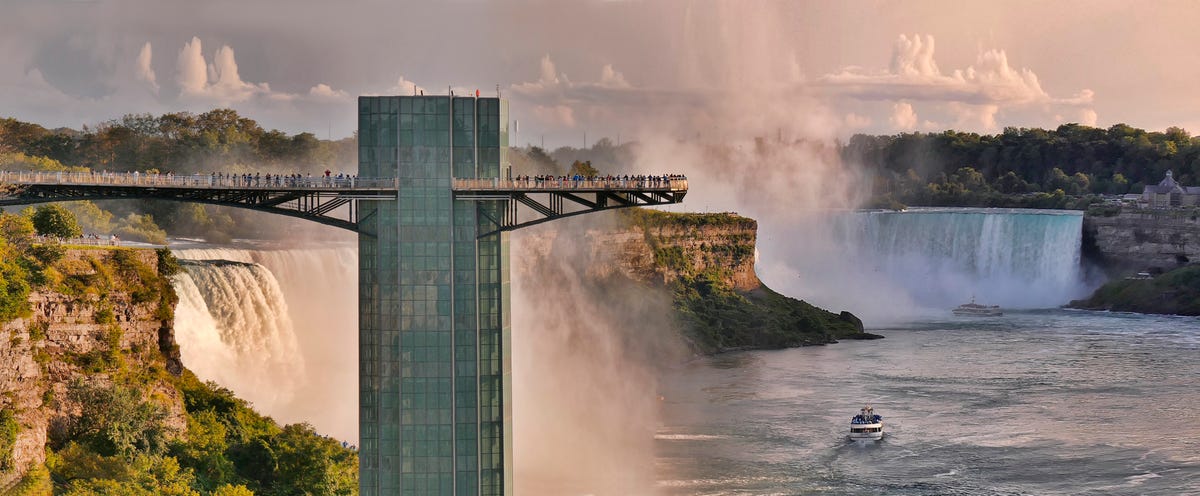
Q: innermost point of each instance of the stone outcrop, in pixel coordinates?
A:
(66, 339)
(1136, 240)
(662, 254)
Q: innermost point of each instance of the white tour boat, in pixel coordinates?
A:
(978, 310)
(866, 426)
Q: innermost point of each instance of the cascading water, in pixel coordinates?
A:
(889, 265)
(233, 327)
(278, 327)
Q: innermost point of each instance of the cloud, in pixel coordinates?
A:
(218, 82)
(914, 75)
(1088, 117)
(323, 93)
(144, 71)
(903, 116)
(221, 83)
(405, 87)
(855, 121)
(192, 74)
(611, 78)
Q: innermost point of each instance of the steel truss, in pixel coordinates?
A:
(321, 205)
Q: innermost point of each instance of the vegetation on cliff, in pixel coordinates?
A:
(124, 417)
(700, 253)
(1176, 293)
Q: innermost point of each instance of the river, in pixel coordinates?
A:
(1034, 402)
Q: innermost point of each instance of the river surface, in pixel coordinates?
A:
(1034, 402)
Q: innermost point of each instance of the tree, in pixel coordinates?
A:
(311, 464)
(115, 420)
(584, 169)
(1120, 185)
(56, 220)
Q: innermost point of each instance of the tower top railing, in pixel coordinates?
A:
(526, 184)
(212, 180)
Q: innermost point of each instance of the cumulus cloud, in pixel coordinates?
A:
(1087, 117)
(611, 78)
(903, 116)
(145, 73)
(914, 75)
(405, 87)
(220, 82)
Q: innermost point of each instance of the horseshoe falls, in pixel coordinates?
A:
(890, 266)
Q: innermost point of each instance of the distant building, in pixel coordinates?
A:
(1169, 193)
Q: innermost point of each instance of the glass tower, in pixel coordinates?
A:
(435, 409)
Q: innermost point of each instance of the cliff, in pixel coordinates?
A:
(96, 401)
(704, 266)
(1139, 239)
(1175, 293)
(100, 319)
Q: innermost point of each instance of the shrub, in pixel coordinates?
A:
(8, 439)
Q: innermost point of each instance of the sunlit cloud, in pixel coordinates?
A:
(145, 73)
(914, 75)
(903, 116)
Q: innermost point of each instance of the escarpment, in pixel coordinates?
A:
(99, 317)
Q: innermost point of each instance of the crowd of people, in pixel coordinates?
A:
(607, 181)
(328, 180)
(87, 239)
(214, 179)
(259, 179)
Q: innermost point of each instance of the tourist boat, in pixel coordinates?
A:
(978, 310)
(866, 426)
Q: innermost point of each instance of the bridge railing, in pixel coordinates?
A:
(222, 180)
(554, 184)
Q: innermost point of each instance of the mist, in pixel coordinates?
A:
(589, 346)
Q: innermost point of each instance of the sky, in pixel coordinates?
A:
(576, 71)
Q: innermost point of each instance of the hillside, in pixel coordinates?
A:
(95, 400)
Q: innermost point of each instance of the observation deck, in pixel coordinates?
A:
(543, 198)
(321, 199)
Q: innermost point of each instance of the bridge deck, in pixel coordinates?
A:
(334, 201)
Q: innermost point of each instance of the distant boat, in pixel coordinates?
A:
(977, 310)
(866, 426)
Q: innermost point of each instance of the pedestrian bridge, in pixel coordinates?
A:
(333, 200)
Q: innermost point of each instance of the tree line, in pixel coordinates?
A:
(930, 168)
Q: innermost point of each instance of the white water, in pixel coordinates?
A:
(282, 331)
(279, 328)
(896, 265)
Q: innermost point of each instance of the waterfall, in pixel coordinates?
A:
(279, 327)
(891, 265)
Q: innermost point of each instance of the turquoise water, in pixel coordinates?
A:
(1036, 402)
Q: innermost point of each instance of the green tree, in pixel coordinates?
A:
(56, 220)
(115, 420)
(311, 464)
(1120, 185)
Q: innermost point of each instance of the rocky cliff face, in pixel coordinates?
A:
(1142, 239)
(662, 254)
(92, 337)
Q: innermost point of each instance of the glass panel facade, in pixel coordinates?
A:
(435, 406)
